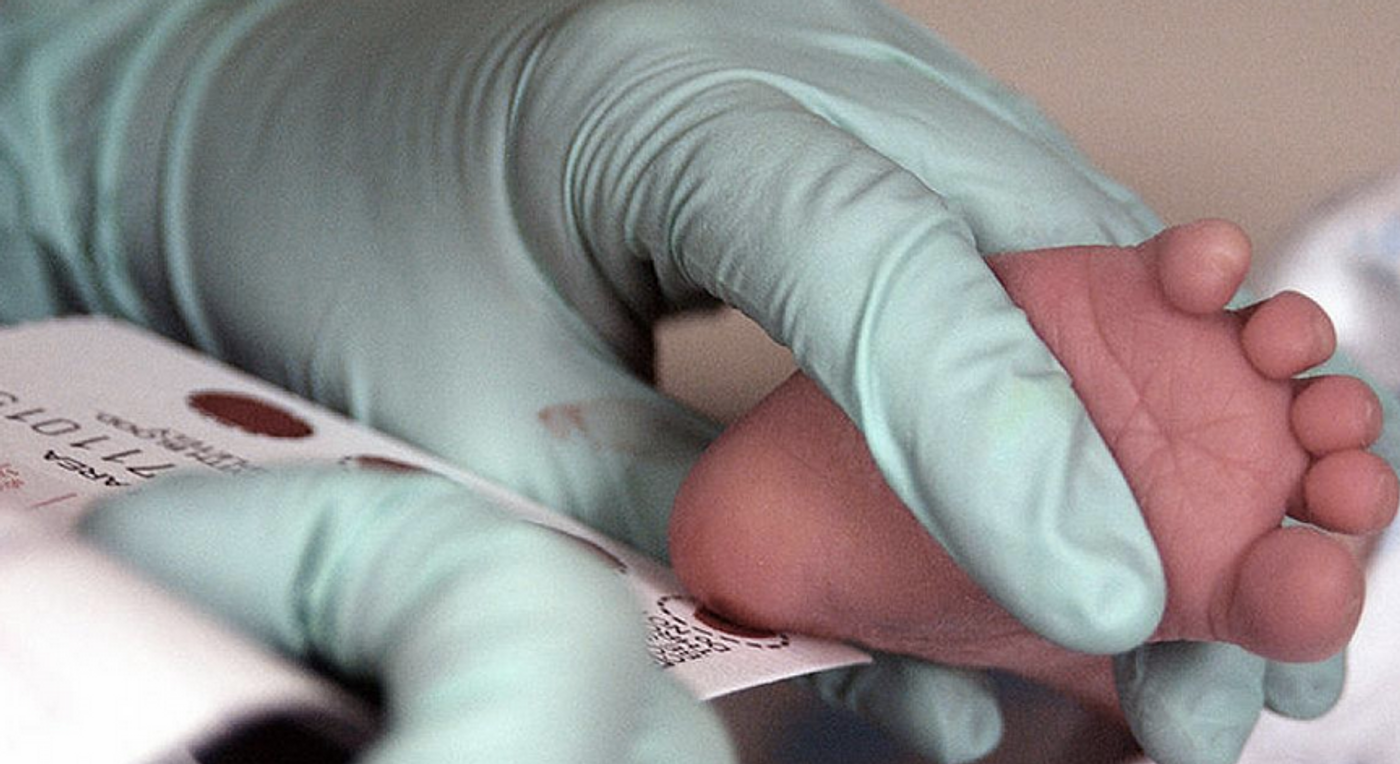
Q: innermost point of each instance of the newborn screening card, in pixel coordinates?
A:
(92, 407)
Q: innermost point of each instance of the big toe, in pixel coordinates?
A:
(1297, 597)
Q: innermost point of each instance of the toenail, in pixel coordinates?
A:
(1225, 261)
(1386, 493)
(1324, 336)
(1373, 418)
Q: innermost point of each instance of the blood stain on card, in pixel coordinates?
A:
(381, 464)
(639, 428)
(10, 478)
(716, 621)
(250, 414)
(53, 501)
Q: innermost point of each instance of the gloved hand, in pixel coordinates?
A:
(457, 221)
(1197, 702)
(496, 640)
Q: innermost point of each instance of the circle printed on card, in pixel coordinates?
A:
(687, 612)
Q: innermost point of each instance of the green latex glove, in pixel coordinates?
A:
(451, 219)
(457, 221)
(495, 640)
(1221, 689)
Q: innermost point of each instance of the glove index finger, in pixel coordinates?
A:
(1305, 690)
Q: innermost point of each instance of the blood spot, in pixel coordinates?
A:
(249, 414)
(380, 464)
(716, 621)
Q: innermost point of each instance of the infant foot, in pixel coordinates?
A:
(1216, 439)
(786, 522)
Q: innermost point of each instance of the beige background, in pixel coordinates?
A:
(1252, 111)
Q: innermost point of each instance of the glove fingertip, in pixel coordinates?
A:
(1305, 690)
(189, 534)
(1190, 702)
(1102, 600)
(1108, 619)
(156, 531)
(949, 715)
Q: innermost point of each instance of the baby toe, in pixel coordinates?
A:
(1335, 413)
(1286, 335)
(1351, 491)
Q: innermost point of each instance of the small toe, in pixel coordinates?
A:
(1352, 492)
(1287, 335)
(1336, 413)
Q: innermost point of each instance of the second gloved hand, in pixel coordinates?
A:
(495, 640)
